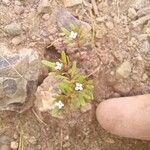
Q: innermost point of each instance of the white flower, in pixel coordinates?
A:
(79, 87)
(58, 66)
(59, 104)
(73, 35)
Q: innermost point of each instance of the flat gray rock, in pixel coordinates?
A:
(64, 19)
(18, 78)
(13, 29)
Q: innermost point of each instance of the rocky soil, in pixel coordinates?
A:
(118, 62)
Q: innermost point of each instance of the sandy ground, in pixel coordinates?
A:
(116, 42)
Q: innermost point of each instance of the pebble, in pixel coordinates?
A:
(124, 69)
(43, 7)
(109, 25)
(18, 3)
(45, 17)
(127, 30)
(6, 2)
(16, 41)
(101, 31)
(116, 94)
(110, 141)
(13, 29)
(32, 140)
(146, 46)
(86, 108)
(132, 13)
(116, 19)
(67, 144)
(123, 87)
(14, 145)
(102, 19)
(18, 9)
(4, 48)
(144, 77)
(66, 137)
(16, 136)
(70, 3)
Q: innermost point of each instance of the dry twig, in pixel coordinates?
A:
(140, 21)
(38, 118)
(144, 11)
(93, 72)
(95, 7)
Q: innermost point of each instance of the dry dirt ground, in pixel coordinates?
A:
(116, 43)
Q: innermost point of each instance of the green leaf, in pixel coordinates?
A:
(80, 78)
(65, 31)
(55, 112)
(73, 69)
(68, 61)
(81, 99)
(89, 82)
(63, 57)
(80, 32)
(89, 93)
(73, 27)
(61, 77)
(65, 86)
(48, 63)
(75, 101)
(86, 96)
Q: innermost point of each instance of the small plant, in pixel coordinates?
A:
(75, 89)
(77, 39)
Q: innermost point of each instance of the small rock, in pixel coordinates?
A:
(16, 136)
(13, 29)
(123, 87)
(18, 3)
(116, 94)
(67, 144)
(14, 145)
(132, 13)
(146, 46)
(45, 92)
(124, 70)
(64, 18)
(86, 140)
(132, 42)
(86, 108)
(124, 19)
(127, 30)
(116, 19)
(66, 137)
(144, 77)
(44, 6)
(139, 57)
(18, 9)
(16, 41)
(102, 19)
(32, 140)
(110, 141)
(101, 31)
(70, 3)
(139, 4)
(109, 25)
(6, 2)
(4, 49)
(46, 17)
(112, 73)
